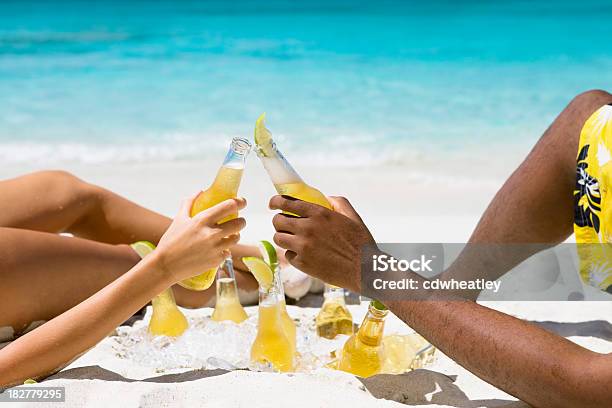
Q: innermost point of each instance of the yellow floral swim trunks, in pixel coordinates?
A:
(592, 202)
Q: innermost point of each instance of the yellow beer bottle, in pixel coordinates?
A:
(334, 318)
(285, 179)
(363, 353)
(272, 344)
(227, 306)
(225, 186)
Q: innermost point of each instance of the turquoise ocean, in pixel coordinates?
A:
(342, 82)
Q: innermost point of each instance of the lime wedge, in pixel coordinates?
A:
(378, 305)
(268, 253)
(30, 381)
(143, 248)
(263, 137)
(260, 270)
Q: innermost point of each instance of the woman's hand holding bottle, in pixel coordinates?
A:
(191, 245)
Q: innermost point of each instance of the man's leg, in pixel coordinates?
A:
(535, 205)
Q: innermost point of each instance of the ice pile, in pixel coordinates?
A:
(208, 344)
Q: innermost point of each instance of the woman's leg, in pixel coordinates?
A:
(42, 274)
(56, 201)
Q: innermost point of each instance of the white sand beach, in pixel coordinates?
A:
(430, 200)
(105, 376)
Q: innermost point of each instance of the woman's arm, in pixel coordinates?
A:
(49, 347)
(189, 246)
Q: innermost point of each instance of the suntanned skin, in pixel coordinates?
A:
(43, 274)
(187, 246)
(535, 205)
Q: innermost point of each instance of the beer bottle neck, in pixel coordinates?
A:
(373, 326)
(334, 293)
(274, 294)
(237, 153)
(277, 167)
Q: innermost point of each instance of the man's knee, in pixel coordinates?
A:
(588, 102)
(592, 94)
(566, 129)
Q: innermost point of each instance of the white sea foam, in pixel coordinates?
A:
(360, 155)
(53, 153)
